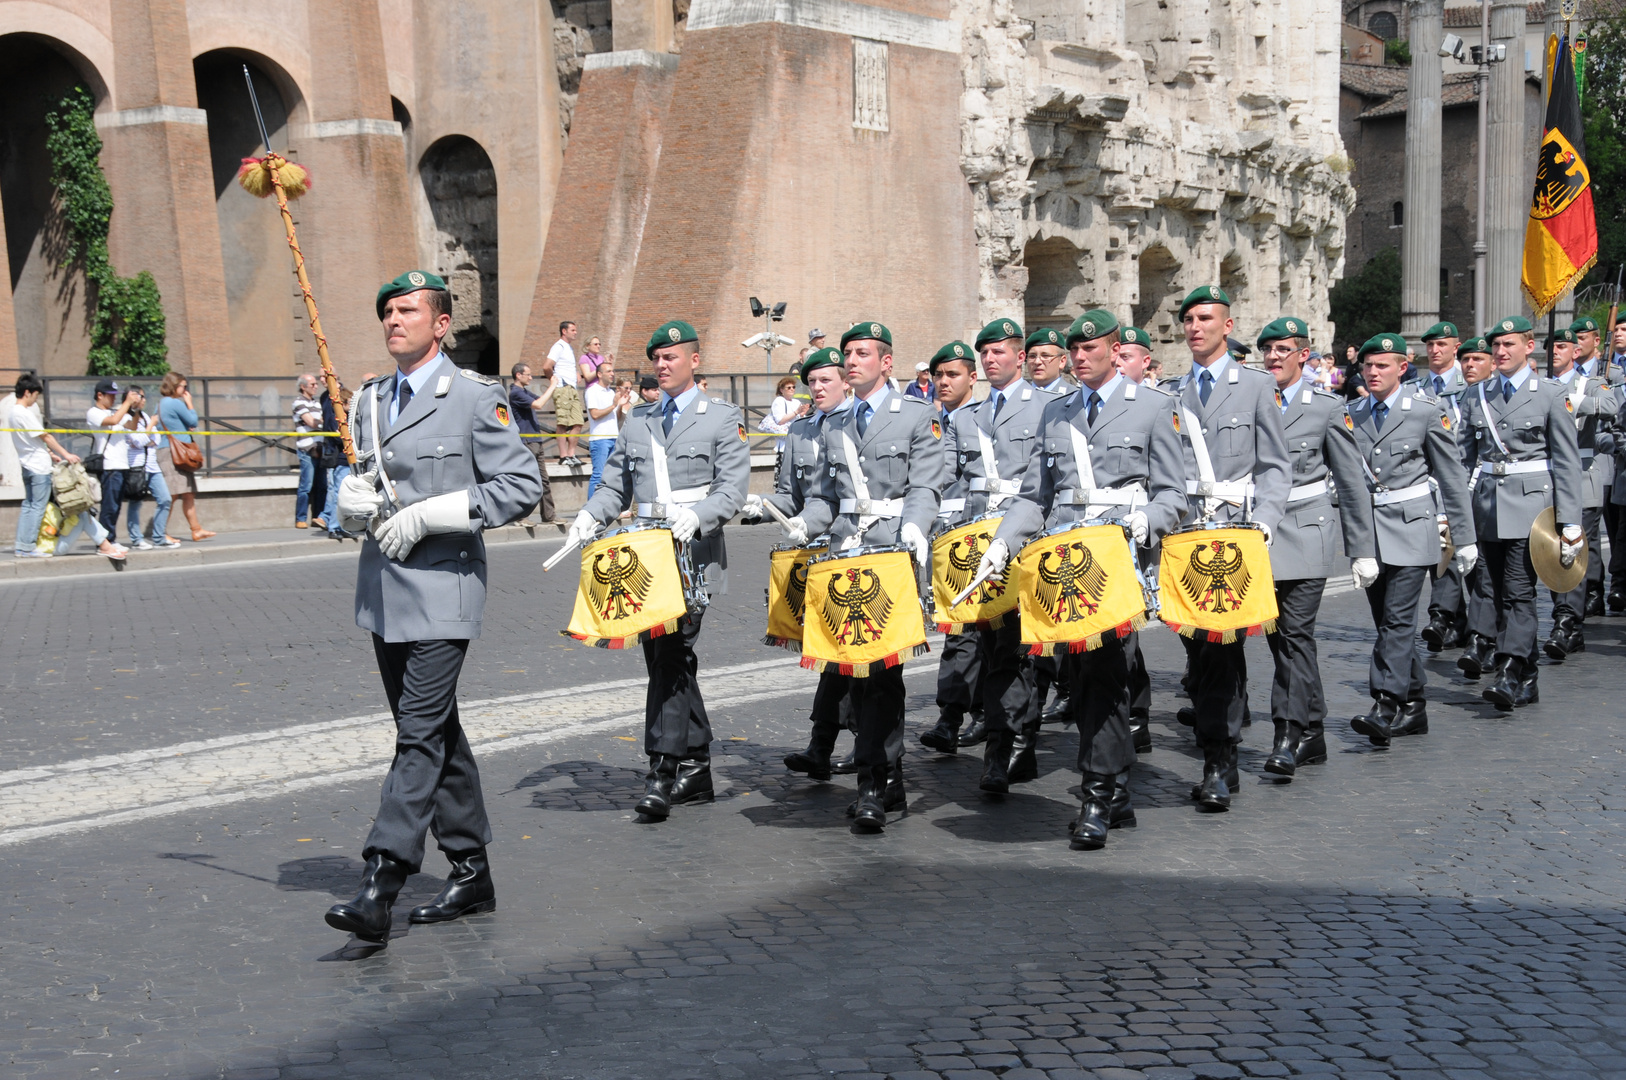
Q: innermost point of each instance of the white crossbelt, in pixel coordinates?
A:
(1515, 468)
(869, 510)
(874, 508)
(1230, 491)
(1306, 491)
(1128, 495)
(950, 506)
(994, 484)
(998, 490)
(1400, 495)
(684, 497)
(1588, 455)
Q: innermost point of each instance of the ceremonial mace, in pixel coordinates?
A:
(276, 175)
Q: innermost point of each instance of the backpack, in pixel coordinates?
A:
(72, 488)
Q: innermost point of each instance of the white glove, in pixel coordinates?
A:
(685, 523)
(995, 559)
(441, 514)
(1364, 572)
(910, 537)
(751, 512)
(1269, 536)
(1465, 559)
(1570, 542)
(582, 530)
(359, 500)
(796, 531)
(1139, 527)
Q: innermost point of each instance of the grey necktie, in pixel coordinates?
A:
(864, 409)
(1507, 390)
(670, 415)
(1380, 413)
(403, 398)
(1094, 407)
(1205, 386)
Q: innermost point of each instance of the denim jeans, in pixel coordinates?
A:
(335, 477)
(86, 523)
(599, 451)
(112, 495)
(161, 503)
(36, 494)
(307, 476)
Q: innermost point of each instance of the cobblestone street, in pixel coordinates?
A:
(193, 759)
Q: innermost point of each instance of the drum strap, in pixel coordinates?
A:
(378, 457)
(1082, 462)
(849, 452)
(1490, 421)
(990, 469)
(1199, 450)
(1576, 396)
(663, 479)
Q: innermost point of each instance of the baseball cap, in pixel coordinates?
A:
(107, 386)
(815, 334)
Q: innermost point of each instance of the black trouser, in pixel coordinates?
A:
(539, 451)
(1449, 597)
(1513, 584)
(1218, 684)
(112, 493)
(832, 709)
(1295, 692)
(1574, 601)
(433, 782)
(959, 674)
(1007, 679)
(675, 720)
(1481, 599)
(1615, 517)
(1140, 679)
(878, 708)
(1099, 685)
(1394, 599)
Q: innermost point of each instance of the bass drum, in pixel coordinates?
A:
(1079, 587)
(956, 553)
(632, 588)
(864, 611)
(1215, 581)
(787, 593)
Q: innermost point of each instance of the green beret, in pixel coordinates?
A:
(1567, 334)
(1285, 327)
(1382, 343)
(998, 330)
(1094, 323)
(1046, 336)
(1584, 325)
(675, 332)
(1205, 294)
(825, 357)
(1515, 324)
(873, 331)
(1473, 345)
(1134, 335)
(954, 350)
(1440, 330)
(411, 281)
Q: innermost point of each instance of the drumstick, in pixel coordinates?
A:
(982, 575)
(777, 515)
(560, 554)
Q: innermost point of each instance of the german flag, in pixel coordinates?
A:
(1561, 238)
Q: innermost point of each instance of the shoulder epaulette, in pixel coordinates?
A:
(483, 380)
(1157, 388)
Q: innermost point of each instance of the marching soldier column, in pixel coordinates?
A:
(1445, 382)
(1591, 402)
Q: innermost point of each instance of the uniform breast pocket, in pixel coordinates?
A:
(1416, 510)
(1126, 455)
(1233, 437)
(891, 463)
(445, 458)
(691, 464)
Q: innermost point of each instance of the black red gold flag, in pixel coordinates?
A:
(1561, 237)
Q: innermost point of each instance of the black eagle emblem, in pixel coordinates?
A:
(796, 588)
(861, 610)
(1222, 578)
(619, 589)
(965, 555)
(1072, 588)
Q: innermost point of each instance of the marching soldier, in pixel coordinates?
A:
(1047, 365)
(1590, 358)
(1476, 608)
(1136, 472)
(682, 460)
(1591, 402)
(959, 672)
(444, 461)
(1135, 364)
(1394, 441)
(1524, 451)
(1590, 361)
(881, 483)
(1304, 551)
(1245, 478)
(1444, 383)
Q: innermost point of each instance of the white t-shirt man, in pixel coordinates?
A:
(599, 396)
(114, 450)
(564, 363)
(32, 453)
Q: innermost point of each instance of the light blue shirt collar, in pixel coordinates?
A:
(1290, 392)
(876, 398)
(417, 380)
(1108, 388)
(1216, 369)
(1585, 367)
(682, 399)
(1517, 379)
(1569, 376)
(1388, 402)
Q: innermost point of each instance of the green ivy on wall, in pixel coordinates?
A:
(127, 336)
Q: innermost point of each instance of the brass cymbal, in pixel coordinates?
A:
(1544, 555)
(1447, 551)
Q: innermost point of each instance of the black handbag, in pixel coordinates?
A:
(136, 485)
(92, 464)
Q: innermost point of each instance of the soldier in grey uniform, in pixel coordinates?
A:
(883, 474)
(1592, 357)
(683, 460)
(1592, 404)
(1525, 457)
(1304, 552)
(1047, 363)
(1478, 603)
(1246, 479)
(1444, 382)
(1592, 361)
(1135, 363)
(439, 459)
(1108, 450)
(959, 672)
(1398, 449)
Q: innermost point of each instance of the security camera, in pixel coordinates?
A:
(756, 308)
(1451, 47)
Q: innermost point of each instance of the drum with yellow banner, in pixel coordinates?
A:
(1216, 582)
(956, 553)
(863, 611)
(787, 594)
(631, 589)
(1079, 588)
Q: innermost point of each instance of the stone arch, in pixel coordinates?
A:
(1159, 293)
(50, 301)
(459, 186)
(262, 296)
(1057, 288)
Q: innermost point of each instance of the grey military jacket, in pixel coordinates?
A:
(1450, 397)
(708, 469)
(1392, 515)
(1243, 428)
(1592, 404)
(1510, 488)
(1306, 545)
(800, 465)
(1133, 441)
(951, 508)
(1011, 435)
(900, 457)
(457, 435)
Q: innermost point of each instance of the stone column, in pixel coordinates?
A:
(156, 156)
(1420, 238)
(642, 24)
(1509, 167)
(8, 321)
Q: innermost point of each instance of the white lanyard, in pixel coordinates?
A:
(1081, 457)
(1576, 396)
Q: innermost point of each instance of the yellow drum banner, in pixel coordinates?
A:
(1217, 582)
(630, 590)
(863, 613)
(955, 557)
(787, 595)
(1077, 588)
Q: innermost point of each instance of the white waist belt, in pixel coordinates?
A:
(879, 508)
(1406, 494)
(988, 483)
(684, 497)
(1588, 455)
(1114, 496)
(950, 506)
(1228, 490)
(1306, 491)
(1513, 468)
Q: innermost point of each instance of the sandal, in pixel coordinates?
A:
(201, 534)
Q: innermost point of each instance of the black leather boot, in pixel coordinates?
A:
(1479, 657)
(368, 915)
(814, 761)
(870, 816)
(1617, 599)
(1377, 724)
(1140, 729)
(1094, 818)
(996, 759)
(845, 765)
(1412, 720)
(1505, 689)
(693, 783)
(1526, 693)
(1282, 760)
(1441, 630)
(893, 799)
(976, 734)
(1061, 710)
(945, 737)
(656, 805)
(1024, 766)
(1213, 795)
(468, 891)
(1187, 715)
(1312, 747)
(1594, 602)
(1566, 637)
(1123, 811)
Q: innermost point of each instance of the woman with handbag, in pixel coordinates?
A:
(145, 479)
(180, 464)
